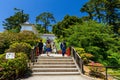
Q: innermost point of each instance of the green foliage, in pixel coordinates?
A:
(28, 37)
(60, 27)
(4, 43)
(104, 11)
(80, 50)
(114, 58)
(40, 28)
(97, 39)
(12, 67)
(45, 20)
(86, 57)
(7, 38)
(115, 73)
(20, 47)
(57, 43)
(13, 22)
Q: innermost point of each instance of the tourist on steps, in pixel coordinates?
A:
(48, 47)
(40, 45)
(63, 48)
(54, 48)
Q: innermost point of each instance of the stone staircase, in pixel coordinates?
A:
(55, 66)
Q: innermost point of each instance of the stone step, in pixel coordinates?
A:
(55, 73)
(54, 59)
(55, 70)
(53, 63)
(50, 57)
(54, 66)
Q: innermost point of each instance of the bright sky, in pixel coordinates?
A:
(59, 8)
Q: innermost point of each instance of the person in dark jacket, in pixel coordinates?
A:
(63, 48)
(40, 45)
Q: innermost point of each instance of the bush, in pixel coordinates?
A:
(97, 74)
(20, 47)
(80, 50)
(12, 67)
(28, 37)
(7, 38)
(85, 56)
(99, 68)
(96, 70)
(4, 43)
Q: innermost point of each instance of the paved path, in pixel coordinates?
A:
(69, 77)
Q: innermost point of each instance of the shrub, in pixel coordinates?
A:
(80, 50)
(4, 43)
(28, 37)
(20, 47)
(12, 67)
(96, 70)
(7, 38)
(97, 67)
(85, 56)
(96, 74)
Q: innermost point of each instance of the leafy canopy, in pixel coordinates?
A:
(45, 20)
(105, 11)
(59, 28)
(97, 39)
(13, 22)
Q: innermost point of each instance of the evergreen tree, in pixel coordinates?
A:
(67, 22)
(45, 20)
(13, 22)
(105, 11)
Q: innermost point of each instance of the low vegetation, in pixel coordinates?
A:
(21, 44)
(12, 68)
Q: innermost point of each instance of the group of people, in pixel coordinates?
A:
(49, 47)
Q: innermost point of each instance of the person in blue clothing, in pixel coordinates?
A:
(48, 47)
(63, 48)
